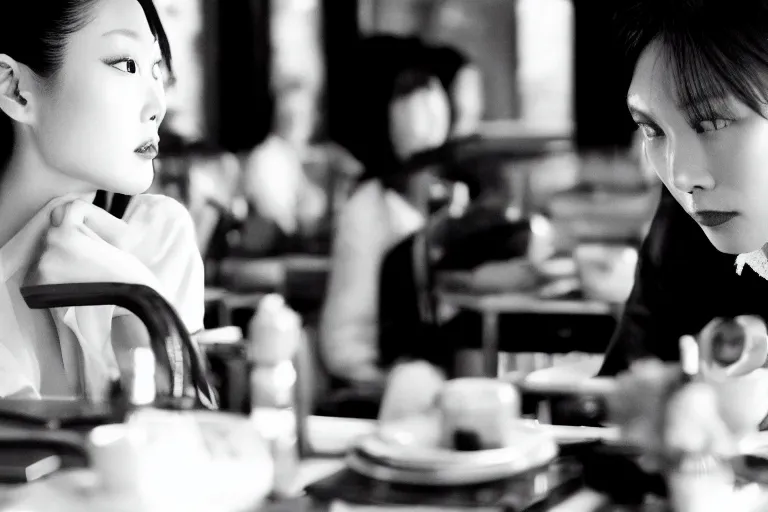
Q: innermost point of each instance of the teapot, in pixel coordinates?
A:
(178, 452)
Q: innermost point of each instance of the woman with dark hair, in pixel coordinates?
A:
(698, 91)
(81, 100)
(403, 112)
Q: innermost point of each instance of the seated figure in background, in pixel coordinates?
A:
(405, 112)
(289, 180)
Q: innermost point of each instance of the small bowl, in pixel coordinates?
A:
(607, 272)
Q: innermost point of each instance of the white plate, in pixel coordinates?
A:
(407, 452)
(451, 475)
(565, 434)
(558, 268)
(336, 436)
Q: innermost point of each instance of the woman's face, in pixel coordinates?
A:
(106, 102)
(717, 169)
(295, 111)
(419, 121)
(467, 96)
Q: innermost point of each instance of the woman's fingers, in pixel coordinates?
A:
(103, 224)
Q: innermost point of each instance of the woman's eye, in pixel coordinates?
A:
(649, 131)
(711, 125)
(126, 66)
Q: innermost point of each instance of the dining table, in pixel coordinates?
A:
(330, 438)
(492, 305)
(315, 469)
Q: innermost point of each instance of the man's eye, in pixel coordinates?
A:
(126, 66)
(649, 131)
(712, 125)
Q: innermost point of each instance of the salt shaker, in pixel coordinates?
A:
(699, 475)
(274, 336)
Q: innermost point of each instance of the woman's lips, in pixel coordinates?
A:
(149, 151)
(713, 219)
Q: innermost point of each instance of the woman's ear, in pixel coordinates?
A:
(13, 100)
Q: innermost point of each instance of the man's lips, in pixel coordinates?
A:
(713, 218)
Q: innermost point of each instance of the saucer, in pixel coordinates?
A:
(407, 451)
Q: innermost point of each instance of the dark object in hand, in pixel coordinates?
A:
(728, 342)
(466, 441)
(739, 343)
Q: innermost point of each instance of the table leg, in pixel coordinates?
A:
(224, 313)
(491, 343)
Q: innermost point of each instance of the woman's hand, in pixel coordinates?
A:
(638, 404)
(695, 424)
(87, 244)
(659, 414)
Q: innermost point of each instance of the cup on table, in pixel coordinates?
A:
(115, 455)
(478, 413)
(412, 389)
(743, 401)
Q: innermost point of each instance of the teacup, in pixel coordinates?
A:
(478, 413)
(743, 401)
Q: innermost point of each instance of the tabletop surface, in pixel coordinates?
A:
(330, 437)
(516, 302)
(315, 469)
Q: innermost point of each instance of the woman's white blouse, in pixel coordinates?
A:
(373, 220)
(757, 260)
(68, 351)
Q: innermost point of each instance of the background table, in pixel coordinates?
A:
(491, 305)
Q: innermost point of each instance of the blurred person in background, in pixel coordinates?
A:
(283, 200)
(404, 112)
(482, 234)
(463, 81)
(288, 178)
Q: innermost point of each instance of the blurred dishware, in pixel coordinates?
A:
(412, 388)
(606, 271)
(743, 401)
(592, 213)
(232, 469)
(399, 454)
(517, 274)
(478, 413)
